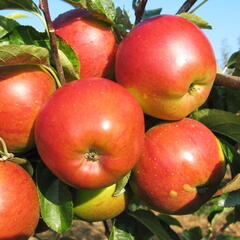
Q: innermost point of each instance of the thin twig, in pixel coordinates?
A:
(227, 81)
(108, 227)
(186, 6)
(43, 4)
(198, 6)
(139, 9)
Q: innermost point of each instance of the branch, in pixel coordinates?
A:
(186, 6)
(227, 81)
(139, 8)
(43, 4)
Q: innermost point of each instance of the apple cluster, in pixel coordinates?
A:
(91, 132)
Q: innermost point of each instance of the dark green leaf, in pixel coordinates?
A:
(151, 13)
(55, 201)
(233, 198)
(195, 19)
(23, 54)
(27, 5)
(102, 9)
(7, 25)
(225, 123)
(169, 220)
(194, 233)
(120, 186)
(151, 221)
(127, 228)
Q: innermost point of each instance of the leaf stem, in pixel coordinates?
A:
(139, 8)
(186, 6)
(5, 154)
(43, 4)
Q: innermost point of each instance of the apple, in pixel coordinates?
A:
(181, 167)
(98, 204)
(23, 90)
(19, 205)
(168, 64)
(91, 39)
(90, 133)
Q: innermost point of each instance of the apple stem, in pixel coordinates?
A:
(5, 154)
(43, 4)
(186, 6)
(139, 8)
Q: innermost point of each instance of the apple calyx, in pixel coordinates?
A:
(92, 155)
(193, 88)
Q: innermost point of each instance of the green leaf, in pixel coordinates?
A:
(7, 25)
(69, 60)
(101, 9)
(219, 121)
(194, 233)
(149, 220)
(196, 20)
(122, 19)
(17, 15)
(122, 23)
(232, 185)
(231, 63)
(120, 185)
(55, 201)
(151, 13)
(26, 35)
(23, 54)
(27, 5)
(228, 150)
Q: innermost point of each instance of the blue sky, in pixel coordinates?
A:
(223, 15)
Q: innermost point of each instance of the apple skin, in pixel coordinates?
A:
(91, 39)
(181, 167)
(98, 204)
(23, 90)
(90, 133)
(168, 64)
(19, 209)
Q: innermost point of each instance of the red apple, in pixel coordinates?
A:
(90, 132)
(92, 40)
(23, 90)
(19, 205)
(99, 204)
(168, 64)
(181, 167)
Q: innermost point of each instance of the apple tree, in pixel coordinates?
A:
(130, 123)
